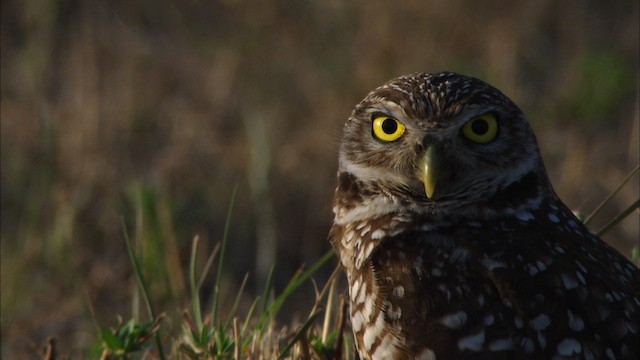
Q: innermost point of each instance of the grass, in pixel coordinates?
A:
(209, 335)
(626, 212)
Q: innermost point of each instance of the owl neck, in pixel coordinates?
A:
(357, 200)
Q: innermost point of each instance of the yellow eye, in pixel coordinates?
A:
(386, 128)
(481, 129)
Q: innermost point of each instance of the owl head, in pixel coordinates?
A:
(437, 141)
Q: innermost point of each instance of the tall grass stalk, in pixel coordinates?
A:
(610, 196)
(143, 286)
(616, 220)
(225, 236)
(195, 289)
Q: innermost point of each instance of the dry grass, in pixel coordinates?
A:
(153, 111)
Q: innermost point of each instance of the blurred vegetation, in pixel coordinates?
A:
(152, 112)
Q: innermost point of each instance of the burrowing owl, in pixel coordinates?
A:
(454, 243)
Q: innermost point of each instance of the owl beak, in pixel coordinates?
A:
(430, 169)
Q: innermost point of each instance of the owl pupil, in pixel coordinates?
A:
(480, 127)
(389, 126)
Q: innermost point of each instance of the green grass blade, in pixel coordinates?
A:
(324, 290)
(295, 282)
(138, 272)
(616, 220)
(267, 290)
(299, 334)
(89, 304)
(328, 312)
(208, 264)
(236, 302)
(195, 291)
(225, 235)
(141, 283)
(611, 195)
(110, 340)
(245, 326)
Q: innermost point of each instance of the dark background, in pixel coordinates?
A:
(150, 113)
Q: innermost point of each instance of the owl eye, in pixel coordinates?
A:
(386, 128)
(481, 129)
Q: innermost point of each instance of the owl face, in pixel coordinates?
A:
(437, 139)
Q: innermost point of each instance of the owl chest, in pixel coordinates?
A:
(376, 333)
(389, 302)
(380, 318)
(410, 291)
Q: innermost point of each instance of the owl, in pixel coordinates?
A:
(454, 243)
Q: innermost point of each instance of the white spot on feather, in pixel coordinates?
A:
(391, 312)
(357, 319)
(569, 347)
(372, 332)
(368, 308)
(398, 291)
(489, 320)
(575, 322)
(362, 294)
(472, 342)
(569, 281)
(517, 322)
(541, 322)
(354, 289)
(491, 264)
(524, 216)
(542, 340)
(426, 354)
(455, 320)
(527, 345)
(385, 350)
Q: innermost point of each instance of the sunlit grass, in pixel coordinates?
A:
(211, 335)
